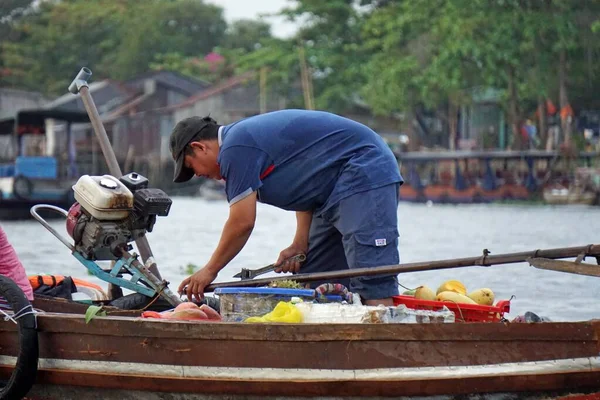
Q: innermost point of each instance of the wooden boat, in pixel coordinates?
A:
(482, 176)
(561, 196)
(28, 175)
(121, 357)
(124, 356)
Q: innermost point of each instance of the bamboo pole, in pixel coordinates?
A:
(484, 260)
(306, 86)
(263, 90)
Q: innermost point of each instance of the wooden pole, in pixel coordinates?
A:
(306, 89)
(484, 260)
(80, 85)
(263, 90)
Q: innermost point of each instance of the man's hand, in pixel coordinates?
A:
(235, 233)
(292, 265)
(196, 283)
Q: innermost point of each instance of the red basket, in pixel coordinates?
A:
(462, 312)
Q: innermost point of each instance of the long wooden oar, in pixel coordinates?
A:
(571, 267)
(484, 260)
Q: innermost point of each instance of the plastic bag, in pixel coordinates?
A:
(283, 312)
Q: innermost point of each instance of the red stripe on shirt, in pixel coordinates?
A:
(269, 169)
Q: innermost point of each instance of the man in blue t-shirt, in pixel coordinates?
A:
(338, 175)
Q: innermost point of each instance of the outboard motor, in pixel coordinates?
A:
(109, 214)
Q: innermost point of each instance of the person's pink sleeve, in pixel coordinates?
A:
(11, 266)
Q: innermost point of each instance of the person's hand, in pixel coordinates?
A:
(194, 284)
(284, 264)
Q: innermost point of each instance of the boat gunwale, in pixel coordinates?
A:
(140, 327)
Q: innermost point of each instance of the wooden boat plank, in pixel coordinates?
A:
(269, 388)
(302, 354)
(137, 327)
(583, 364)
(64, 306)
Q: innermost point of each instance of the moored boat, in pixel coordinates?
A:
(484, 176)
(37, 164)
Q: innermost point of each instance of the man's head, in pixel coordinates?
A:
(194, 146)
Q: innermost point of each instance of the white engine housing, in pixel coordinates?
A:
(104, 197)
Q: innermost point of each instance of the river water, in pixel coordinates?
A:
(191, 232)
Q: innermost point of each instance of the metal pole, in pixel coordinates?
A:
(80, 85)
(484, 260)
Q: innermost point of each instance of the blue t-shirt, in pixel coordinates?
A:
(303, 160)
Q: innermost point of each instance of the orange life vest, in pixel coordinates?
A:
(52, 280)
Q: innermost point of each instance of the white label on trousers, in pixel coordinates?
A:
(380, 242)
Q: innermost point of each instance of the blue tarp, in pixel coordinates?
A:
(489, 177)
(459, 180)
(530, 181)
(36, 167)
(414, 179)
(7, 170)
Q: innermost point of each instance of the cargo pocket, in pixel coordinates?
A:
(375, 248)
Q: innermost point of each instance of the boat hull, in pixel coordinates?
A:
(530, 381)
(116, 354)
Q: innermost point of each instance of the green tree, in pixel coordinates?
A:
(433, 53)
(246, 34)
(11, 12)
(60, 39)
(198, 67)
(116, 38)
(331, 36)
(187, 27)
(280, 58)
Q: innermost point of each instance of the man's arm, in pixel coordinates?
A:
(299, 245)
(303, 220)
(236, 232)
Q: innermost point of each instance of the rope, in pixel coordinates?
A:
(156, 297)
(459, 310)
(27, 310)
(482, 260)
(401, 285)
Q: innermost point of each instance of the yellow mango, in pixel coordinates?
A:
(454, 298)
(483, 296)
(452, 286)
(424, 293)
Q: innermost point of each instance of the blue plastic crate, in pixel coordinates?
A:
(36, 167)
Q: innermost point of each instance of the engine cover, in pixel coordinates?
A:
(104, 197)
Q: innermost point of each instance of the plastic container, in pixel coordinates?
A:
(104, 197)
(335, 313)
(237, 304)
(462, 312)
